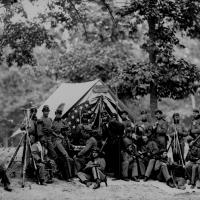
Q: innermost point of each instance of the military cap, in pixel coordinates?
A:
(159, 111)
(45, 108)
(33, 109)
(58, 112)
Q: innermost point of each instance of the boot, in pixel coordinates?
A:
(192, 186)
(134, 178)
(8, 188)
(42, 182)
(146, 179)
(105, 181)
(170, 183)
(87, 183)
(97, 184)
(49, 181)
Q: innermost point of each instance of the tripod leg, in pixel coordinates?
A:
(14, 155)
(24, 161)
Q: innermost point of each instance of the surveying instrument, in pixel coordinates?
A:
(25, 142)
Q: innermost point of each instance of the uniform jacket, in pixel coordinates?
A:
(91, 143)
(44, 126)
(193, 154)
(180, 128)
(195, 128)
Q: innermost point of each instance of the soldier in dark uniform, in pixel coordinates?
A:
(160, 129)
(94, 170)
(45, 128)
(142, 129)
(162, 168)
(149, 152)
(194, 131)
(116, 132)
(177, 132)
(82, 157)
(57, 126)
(193, 165)
(129, 162)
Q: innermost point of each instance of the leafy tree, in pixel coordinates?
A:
(164, 75)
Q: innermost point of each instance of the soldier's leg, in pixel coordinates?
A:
(51, 149)
(194, 172)
(125, 167)
(61, 149)
(142, 167)
(165, 171)
(134, 169)
(150, 167)
(41, 172)
(4, 178)
(84, 178)
(188, 170)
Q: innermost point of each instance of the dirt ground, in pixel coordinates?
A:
(116, 190)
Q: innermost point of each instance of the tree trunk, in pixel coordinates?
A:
(193, 101)
(153, 99)
(152, 60)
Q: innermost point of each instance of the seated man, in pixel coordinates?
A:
(5, 179)
(129, 163)
(162, 170)
(149, 152)
(82, 157)
(193, 166)
(39, 153)
(93, 170)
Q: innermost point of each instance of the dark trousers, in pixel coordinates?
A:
(4, 177)
(52, 153)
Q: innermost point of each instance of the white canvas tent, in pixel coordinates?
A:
(70, 94)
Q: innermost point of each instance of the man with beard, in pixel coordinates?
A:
(177, 132)
(160, 130)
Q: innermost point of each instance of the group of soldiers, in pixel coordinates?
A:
(119, 148)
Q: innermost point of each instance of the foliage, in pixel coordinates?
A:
(165, 75)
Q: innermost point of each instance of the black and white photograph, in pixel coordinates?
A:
(99, 99)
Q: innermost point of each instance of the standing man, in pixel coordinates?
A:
(160, 130)
(194, 131)
(57, 126)
(177, 132)
(116, 130)
(45, 128)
